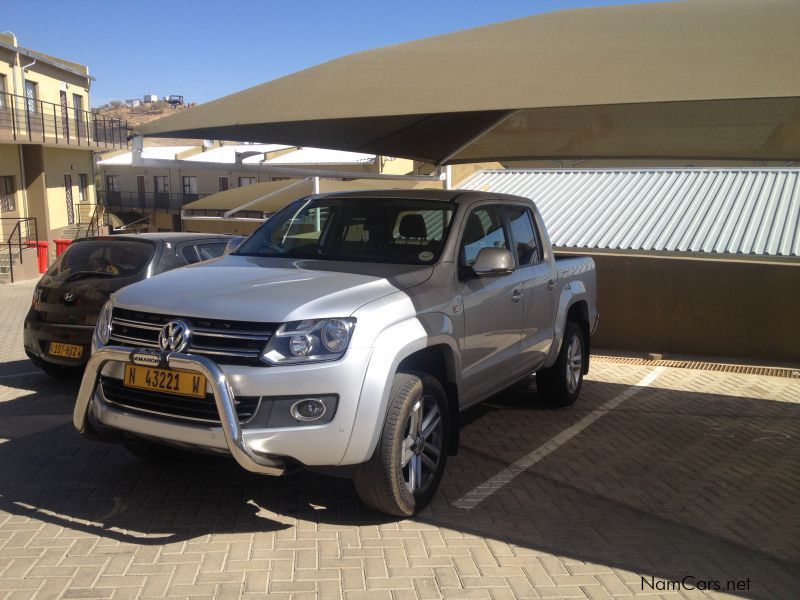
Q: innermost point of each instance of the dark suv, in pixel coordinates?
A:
(68, 298)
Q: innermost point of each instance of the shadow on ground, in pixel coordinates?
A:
(670, 484)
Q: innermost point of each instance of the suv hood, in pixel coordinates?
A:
(270, 290)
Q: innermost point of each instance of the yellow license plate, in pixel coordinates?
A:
(183, 383)
(65, 350)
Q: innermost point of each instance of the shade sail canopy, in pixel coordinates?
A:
(701, 79)
(271, 196)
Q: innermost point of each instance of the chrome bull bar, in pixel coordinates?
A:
(215, 378)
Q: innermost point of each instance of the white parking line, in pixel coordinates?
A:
(489, 487)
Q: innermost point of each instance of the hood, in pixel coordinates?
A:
(271, 290)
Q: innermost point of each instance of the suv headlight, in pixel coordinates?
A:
(309, 341)
(102, 330)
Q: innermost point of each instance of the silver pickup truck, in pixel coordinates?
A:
(345, 334)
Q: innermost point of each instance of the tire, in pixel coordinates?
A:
(150, 451)
(406, 468)
(560, 385)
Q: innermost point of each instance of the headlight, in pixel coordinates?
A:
(103, 328)
(309, 341)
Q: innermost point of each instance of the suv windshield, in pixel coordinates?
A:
(384, 230)
(102, 258)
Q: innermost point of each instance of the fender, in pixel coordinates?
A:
(391, 346)
(572, 292)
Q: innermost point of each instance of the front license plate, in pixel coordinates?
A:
(183, 383)
(65, 350)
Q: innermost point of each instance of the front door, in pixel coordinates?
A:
(140, 189)
(492, 311)
(64, 115)
(70, 205)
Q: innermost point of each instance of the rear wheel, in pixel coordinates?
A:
(560, 385)
(404, 472)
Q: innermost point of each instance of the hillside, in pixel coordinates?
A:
(145, 113)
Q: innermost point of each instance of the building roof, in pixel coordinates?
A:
(320, 156)
(730, 212)
(159, 152)
(227, 154)
(271, 196)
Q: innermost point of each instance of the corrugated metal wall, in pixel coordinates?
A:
(732, 212)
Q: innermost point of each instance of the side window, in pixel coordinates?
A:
(526, 243)
(484, 229)
(209, 251)
(189, 254)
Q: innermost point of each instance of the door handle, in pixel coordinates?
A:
(551, 284)
(516, 295)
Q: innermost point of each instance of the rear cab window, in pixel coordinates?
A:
(106, 258)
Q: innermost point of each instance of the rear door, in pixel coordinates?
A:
(537, 278)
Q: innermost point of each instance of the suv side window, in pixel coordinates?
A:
(194, 253)
(484, 229)
(189, 254)
(209, 251)
(526, 242)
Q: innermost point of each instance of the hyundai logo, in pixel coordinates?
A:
(69, 298)
(175, 336)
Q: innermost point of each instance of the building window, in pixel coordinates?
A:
(31, 96)
(189, 184)
(8, 202)
(83, 187)
(223, 184)
(77, 106)
(246, 181)
(112, 183)
(3, 102)
(161, 184)
(68, 194)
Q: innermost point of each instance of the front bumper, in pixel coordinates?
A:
(255, 447)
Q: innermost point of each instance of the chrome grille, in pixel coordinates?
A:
(183, 408)
(225, 342)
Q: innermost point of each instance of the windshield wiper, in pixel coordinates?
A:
(84, 274)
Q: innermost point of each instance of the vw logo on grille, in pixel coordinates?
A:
(175, 336)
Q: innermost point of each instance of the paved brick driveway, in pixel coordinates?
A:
(696, 475)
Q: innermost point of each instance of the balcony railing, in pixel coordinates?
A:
(27, 120)
(146, 201)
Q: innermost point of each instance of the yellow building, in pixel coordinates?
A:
(47, 139)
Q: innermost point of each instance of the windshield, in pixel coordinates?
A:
(384, 230)
(102, 258)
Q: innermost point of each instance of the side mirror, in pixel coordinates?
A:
(234, 243)
(493, 261)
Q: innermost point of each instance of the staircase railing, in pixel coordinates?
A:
(23, 235)
(98, 221)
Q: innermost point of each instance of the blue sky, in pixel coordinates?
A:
(207, 49)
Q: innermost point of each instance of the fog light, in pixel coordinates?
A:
(308, 409)
(300, 345)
